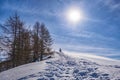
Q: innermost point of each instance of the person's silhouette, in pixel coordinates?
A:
(60, 50)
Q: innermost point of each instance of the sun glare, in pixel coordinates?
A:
(74, 15)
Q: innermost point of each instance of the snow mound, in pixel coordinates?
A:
(65, 67)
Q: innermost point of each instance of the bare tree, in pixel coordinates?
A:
(45, 40)
(42, 41)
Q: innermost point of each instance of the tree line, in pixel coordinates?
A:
(25, 45)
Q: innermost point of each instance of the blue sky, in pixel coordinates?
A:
(98, 33)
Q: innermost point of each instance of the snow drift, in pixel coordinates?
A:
(66, 67)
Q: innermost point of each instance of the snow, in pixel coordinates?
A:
(3, 50)
(66, 67)
(94, 58)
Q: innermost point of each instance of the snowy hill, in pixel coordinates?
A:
(66, 67)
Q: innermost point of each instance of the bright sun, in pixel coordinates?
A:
(74, 15)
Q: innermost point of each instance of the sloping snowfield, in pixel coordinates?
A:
(66, 67)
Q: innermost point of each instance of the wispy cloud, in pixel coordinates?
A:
(84, 47)
(112, 4)
(87, 38)
(81, 39)
(30, 10)
(100, 47)
(86, 34)
(107, 52)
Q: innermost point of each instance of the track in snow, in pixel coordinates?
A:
(67, 68)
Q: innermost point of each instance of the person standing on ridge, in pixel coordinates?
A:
(60, 50)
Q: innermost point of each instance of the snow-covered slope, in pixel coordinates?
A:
(94, 58)
(66, 67)
(4, 49)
